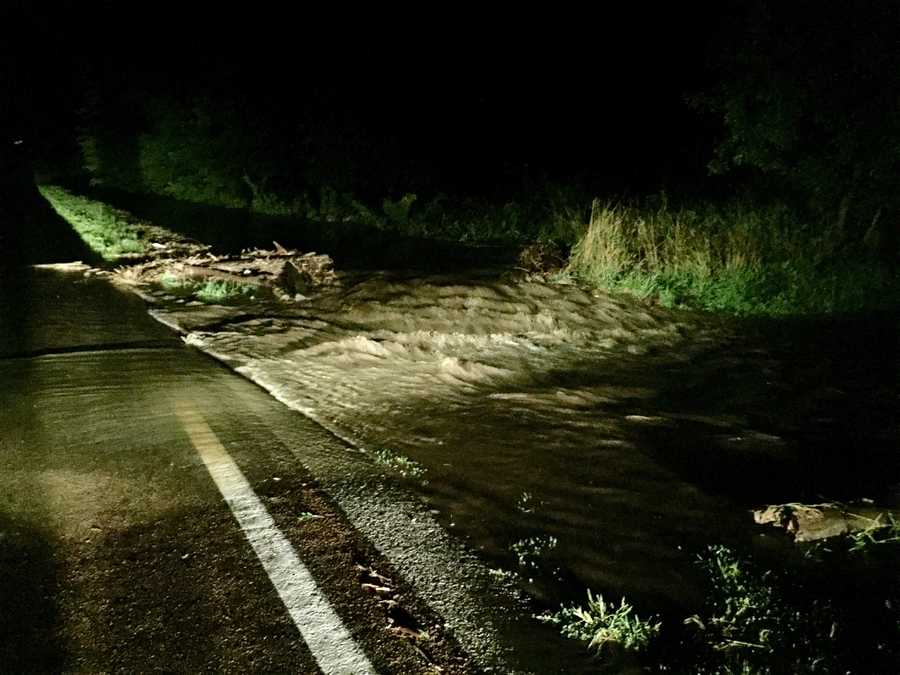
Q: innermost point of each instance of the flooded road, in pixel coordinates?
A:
(152, 520)
(577, 440)
(568, 439)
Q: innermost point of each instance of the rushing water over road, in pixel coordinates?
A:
(577, 439)
(117, 549)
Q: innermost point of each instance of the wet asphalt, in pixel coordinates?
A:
(116, 550)
(118, 553)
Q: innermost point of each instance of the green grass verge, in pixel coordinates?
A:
(552, 213)
(111, 233)
(735, 258)
(836, 613)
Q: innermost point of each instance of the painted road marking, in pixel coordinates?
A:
(326, 636)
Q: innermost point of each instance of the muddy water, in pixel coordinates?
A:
(619, 438)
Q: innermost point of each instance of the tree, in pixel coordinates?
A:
(809, 97)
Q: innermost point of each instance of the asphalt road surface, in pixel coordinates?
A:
(150, 519)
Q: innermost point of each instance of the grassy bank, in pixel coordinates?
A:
(112, 233)
(737, 257)
(734, 258)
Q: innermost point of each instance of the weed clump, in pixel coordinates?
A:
(397, 463)
(219, 291)
(604, 624)
(746, 620)
(211, 291)
(878, 533)
(838, 612)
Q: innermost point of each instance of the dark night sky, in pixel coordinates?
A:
(564, 91)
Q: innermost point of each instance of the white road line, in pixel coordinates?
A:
(326, 636)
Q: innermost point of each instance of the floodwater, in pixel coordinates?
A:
(575, 439)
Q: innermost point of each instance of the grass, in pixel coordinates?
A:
(737, 258)
(744, 612)
(603, 624)
(525, 504)
(111, 233)
(171, 282)
(308, 515)
(878, 533)
(825, 617)
(837, 613)
(397, 463)
(502, 576)
(211, 291)
(219, 292)
(550, 214)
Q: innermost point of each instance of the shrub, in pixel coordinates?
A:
(398, 211)
(529, 551)
(878, 533)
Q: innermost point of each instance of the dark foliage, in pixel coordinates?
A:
(809, 96)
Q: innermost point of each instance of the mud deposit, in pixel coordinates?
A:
(576, 440)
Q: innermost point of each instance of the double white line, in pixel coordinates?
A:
(326, 636)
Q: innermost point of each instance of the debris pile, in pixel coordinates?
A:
(286, 274)
(813, 522)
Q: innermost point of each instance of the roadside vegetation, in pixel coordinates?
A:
(397, 463)
(604, 625)
(210, 291)
(805, 230)
(792, 206)
(532, 552)
(736, 257)
(834, 608)
(112, 233)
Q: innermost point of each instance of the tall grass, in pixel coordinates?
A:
(737, 258)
